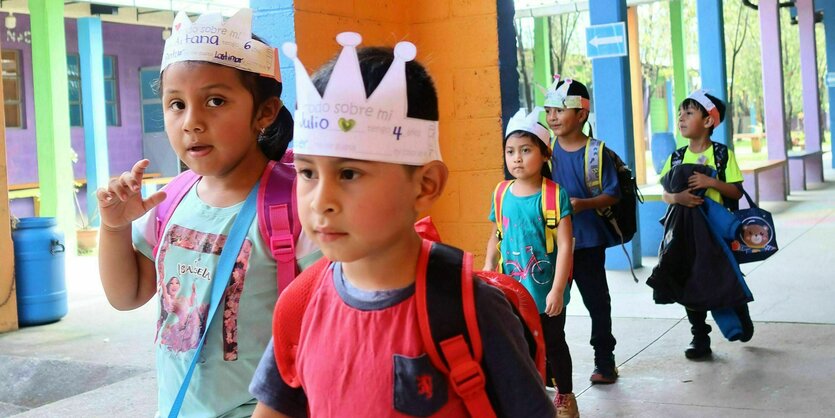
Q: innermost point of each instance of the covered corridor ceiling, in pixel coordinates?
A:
(537, 8)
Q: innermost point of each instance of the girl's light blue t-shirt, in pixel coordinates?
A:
(523, 251)
(242, 327)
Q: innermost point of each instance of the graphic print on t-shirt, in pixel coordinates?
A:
(184, 293)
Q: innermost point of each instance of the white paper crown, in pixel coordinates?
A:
(229, 43)
(344, 123)
(700, 96)
(529, 123)
(559, 97)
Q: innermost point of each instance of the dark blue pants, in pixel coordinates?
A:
(590, 278)
(558, 357)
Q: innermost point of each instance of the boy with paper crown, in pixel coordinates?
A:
(699, 114)
(567, 106)
(368, 162)
(220, 89)
(532, 241)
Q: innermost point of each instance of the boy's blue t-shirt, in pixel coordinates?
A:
(523, 250)
(568, 169)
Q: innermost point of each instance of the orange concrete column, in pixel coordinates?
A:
(458, 42)
(637, 95)
(8, 300)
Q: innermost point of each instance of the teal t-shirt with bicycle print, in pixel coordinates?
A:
(524, 256)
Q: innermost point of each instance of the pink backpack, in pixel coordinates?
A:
(277, 217)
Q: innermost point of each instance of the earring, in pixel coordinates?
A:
(262, 131)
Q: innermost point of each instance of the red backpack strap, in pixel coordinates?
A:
(289, 312)
(278, 218)
(175, 190)
(525, 308)
(450, 328)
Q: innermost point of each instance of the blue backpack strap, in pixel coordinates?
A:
(223, 271)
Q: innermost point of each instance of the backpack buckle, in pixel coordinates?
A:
(467, 379)
(282, 247)
(465, 374)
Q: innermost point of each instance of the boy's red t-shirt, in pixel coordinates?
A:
(385, 374)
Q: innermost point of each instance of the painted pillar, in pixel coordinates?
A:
(508, 62)
(91, 56)
(679, 65)
(8, 297)
(542, 73)
(274, 21)
(772, 186)
(812, 169)
(636, 84)
(612, 98)
(774, 113)
(809, 74)
(672, 115)
(828, 8)
(712, 60)
(52, 119)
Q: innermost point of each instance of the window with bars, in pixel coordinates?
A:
(111, 91)
(12, 88)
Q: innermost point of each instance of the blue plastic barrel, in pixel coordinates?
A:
(39, 271)
(663, 144)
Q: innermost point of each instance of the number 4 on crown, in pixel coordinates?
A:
(397, 132)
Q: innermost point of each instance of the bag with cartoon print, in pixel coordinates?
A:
(756, 239)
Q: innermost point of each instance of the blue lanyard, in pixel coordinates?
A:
(223, 271)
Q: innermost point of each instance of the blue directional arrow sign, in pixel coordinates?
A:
(607, 40)
(830, 79)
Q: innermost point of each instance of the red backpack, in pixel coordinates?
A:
(445, 301)
(278, 220)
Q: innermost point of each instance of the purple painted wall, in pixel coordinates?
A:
(134, 47)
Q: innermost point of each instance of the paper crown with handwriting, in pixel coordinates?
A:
(529, 122)
(228, 43)
(343, 122)
(561, 96)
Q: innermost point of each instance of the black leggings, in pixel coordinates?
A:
(556, 352)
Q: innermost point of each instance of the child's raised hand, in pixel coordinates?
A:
(121, 202)
(700, 181)
(553, 303)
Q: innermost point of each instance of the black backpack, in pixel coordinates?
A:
(622, 217)
(720, 157)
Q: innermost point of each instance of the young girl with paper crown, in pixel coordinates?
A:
(368, 163)
(222, 113)
(532, 241)
(567, 105)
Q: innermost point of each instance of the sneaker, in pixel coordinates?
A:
(604, 375)
(566, 406)
(698, 349)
